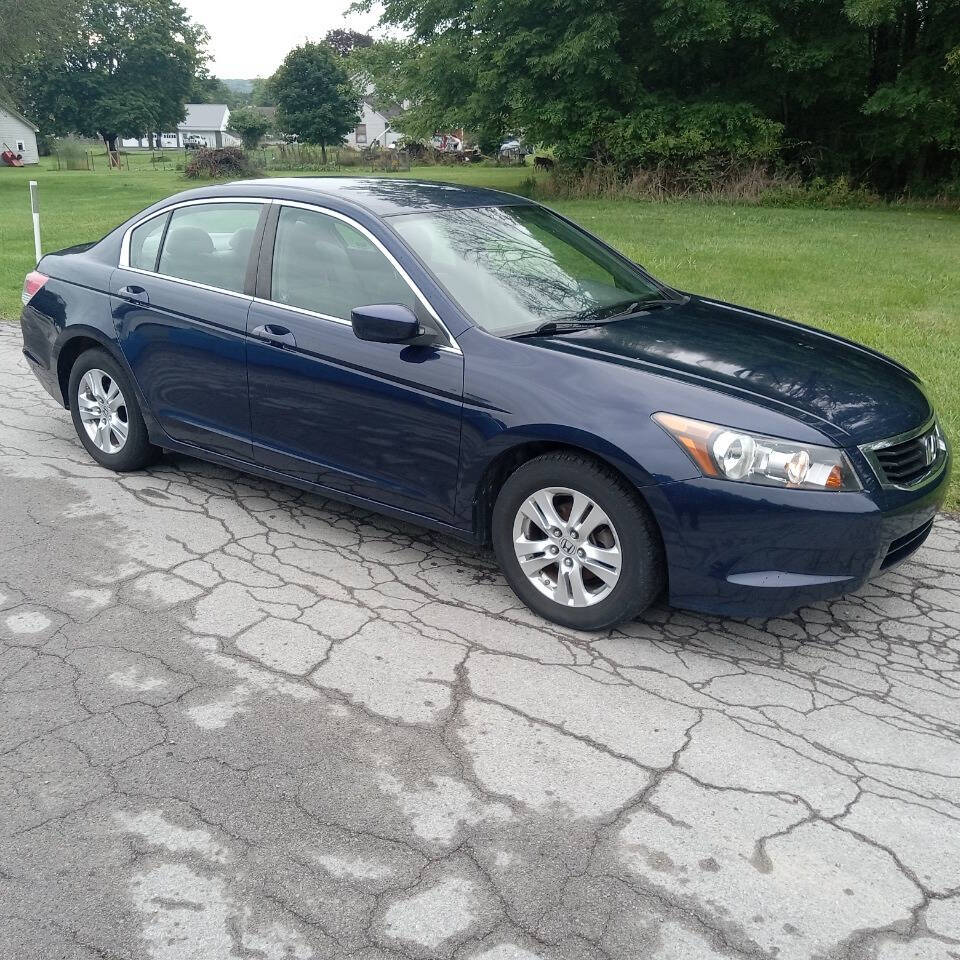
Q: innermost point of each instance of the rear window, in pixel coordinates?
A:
(210, 244)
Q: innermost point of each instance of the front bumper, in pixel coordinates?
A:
(756, 551)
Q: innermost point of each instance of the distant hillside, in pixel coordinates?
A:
(238, 86)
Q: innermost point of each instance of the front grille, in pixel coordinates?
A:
(903, 546)
(906, 461)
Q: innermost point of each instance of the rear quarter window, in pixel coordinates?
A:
(145, 243)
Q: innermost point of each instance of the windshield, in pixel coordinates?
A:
(515, 268)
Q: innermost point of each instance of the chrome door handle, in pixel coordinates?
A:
(275, 334)
(134, 293)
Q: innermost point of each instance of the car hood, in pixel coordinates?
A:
(849, 392)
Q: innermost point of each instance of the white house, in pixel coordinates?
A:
(18, 134)
(207, 120)
(374, 126)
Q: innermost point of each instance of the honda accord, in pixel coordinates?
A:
(475, 363)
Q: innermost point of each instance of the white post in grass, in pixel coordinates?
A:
(35, 207)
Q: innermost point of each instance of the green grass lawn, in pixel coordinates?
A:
(885, 277)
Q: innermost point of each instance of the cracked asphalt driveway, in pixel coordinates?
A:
(237, 720)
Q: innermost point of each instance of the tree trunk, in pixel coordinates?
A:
(323, 152)
(150, 140)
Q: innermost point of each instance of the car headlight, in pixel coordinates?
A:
(730, 454)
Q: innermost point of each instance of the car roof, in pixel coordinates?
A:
(382, 196)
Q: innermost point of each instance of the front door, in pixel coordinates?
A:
(180, 308)
(375, 420)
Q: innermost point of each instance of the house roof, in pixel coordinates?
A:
(387, 112)
(20, 117)
(205, 116)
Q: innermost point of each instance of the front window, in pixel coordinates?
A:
(515, 268)
(361, 133)
(326, 266)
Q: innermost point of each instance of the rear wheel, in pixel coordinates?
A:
(576, 542)
(106, 414)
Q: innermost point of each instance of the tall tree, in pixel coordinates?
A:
(869, 87)
(315, 97)
(209, 89)
(261, 93)
(127, 69)
(343, 42)
(249, 124)
(28, 27)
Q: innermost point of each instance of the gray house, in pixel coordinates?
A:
(18, 134)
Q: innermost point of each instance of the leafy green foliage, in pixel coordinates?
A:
(209, 89)
(27, 26)
(343, 42)
(249, 125)
(314, 95)
(261, 93)
(127, 69)
(701, 137)
(869, 88)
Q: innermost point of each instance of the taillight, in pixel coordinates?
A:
(32, 283)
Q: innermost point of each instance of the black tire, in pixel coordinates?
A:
(643, 567)
(137, 451)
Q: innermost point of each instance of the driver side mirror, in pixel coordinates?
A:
(385, 323)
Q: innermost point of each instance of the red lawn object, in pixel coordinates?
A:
(10, 158)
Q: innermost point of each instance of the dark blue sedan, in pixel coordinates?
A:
(473, 362)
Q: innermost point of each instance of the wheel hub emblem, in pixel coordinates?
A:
(567, 546)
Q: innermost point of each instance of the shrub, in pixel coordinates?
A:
(219, 163)
(700, 141)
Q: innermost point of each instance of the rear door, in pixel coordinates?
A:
(376, 420)
(180, 299)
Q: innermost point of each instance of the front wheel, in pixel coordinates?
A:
(576, 543)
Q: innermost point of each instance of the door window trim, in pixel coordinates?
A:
(124, 262)
(451, 345)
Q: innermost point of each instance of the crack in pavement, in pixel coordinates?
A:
(239, 720)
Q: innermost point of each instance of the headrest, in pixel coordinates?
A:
(242, 239)
(187, 242)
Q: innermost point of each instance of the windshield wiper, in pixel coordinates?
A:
(590, 318)
(551, 327)
(632, 308)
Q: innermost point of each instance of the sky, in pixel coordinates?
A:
(249, 39)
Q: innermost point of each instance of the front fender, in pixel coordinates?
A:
(486, 444)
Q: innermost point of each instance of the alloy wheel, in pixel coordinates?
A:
(567, 546)
(103, 411)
